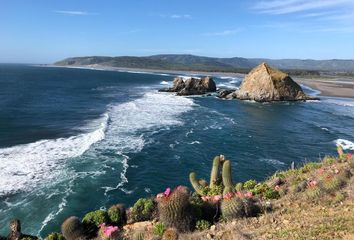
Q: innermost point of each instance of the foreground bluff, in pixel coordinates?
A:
(266, 84)
(192, 86)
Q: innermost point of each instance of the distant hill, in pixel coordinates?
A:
(199, 63)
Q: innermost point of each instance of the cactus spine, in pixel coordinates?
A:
(72, 229)
(226, 177)
(175, 210)
(214, 176)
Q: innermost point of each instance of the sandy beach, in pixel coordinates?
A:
(343, 87)
(333, 86)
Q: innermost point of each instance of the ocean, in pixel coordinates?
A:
(77, 140)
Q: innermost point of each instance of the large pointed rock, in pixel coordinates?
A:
(266, 84)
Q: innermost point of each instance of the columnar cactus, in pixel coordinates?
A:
(195, 183)
(214, 175)
(73, 229)
(175, 209)
(227, 178)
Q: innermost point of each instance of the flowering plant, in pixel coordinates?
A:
(108, 232)
(312, 183)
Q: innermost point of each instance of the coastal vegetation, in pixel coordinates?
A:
(313, 201)
(183, 62)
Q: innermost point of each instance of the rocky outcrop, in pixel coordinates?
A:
(191, 86)
(15, 231)
(266, 84)
(225, 93)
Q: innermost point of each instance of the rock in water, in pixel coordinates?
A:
(192, 86)
(266, 84)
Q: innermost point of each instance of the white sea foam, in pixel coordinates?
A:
(312, 91)
(24, 166)
(272, 161)
(345, 144)
(164, 83)
(151, 112)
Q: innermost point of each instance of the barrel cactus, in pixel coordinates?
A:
(175, 210)
(73, 229)
(238, 206)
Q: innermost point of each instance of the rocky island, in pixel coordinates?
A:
(191, 86)
(266, 84)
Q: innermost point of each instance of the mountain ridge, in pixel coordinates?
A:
(202, 63)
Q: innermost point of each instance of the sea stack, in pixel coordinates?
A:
(191, 86)
(266, 84)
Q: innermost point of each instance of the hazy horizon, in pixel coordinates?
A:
(45, 32)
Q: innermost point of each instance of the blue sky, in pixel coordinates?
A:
(44, 31)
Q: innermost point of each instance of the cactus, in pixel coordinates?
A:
(175, 210)
(232, 208)
(214, 176)
(117, 214)
(139, 235)
(239, 187)
(340, 151)
(239, 207)
(227, 178)
(170, 234)
(72, 229)
(195, 183)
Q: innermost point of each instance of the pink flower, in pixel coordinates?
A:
(248, 194)
(349, 155)
(312, 183)
(277, 188)
(108, 231)
(160, 195)
(239, 194)
(205, 198)
(228, 195)
(167, 192)
(216, 198)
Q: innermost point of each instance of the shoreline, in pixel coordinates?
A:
(333, 87)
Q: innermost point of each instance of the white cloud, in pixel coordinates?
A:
(176, 16)
(74, 13)
(222, 33)
(277, 7)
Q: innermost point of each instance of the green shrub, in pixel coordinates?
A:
(95, 218)
(339, 197)
(202, 225)
(328, 160)
(332, 184)
(313, 193)
(250, 184)
(143, 209)
(271, 194)
(55, 236)
(159, 229)
(216, 190)
(117, 215)
(310, 166)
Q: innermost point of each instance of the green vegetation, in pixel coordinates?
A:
(95, 218)
(143, 209)
(159, 229)
(202, 225)
(55, 236)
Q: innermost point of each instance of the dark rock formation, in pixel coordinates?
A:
(224, 93)
(15, 231)
(192, 86)
(266, 84)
